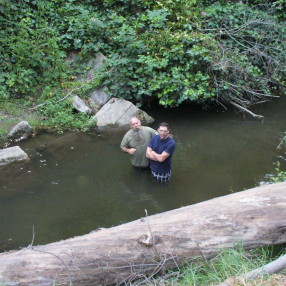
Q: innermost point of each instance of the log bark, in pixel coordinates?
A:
(120, 254)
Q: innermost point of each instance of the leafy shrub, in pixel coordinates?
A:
(250, 59)
(169, 51)
(60, 115)
(278, 176)
(30, 54)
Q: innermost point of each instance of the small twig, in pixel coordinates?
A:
(260, 102)
(281, 142)
(67, 268)
(146, 279)
(150, 231)
(31, 247)
(256, 93)
(234, 38)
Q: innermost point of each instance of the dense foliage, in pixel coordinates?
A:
(172, 51)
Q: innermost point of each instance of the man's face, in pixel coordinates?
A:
(163, 132)
(135, 124)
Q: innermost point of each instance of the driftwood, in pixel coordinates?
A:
(246, 110)
(120, 254)
(270, 268)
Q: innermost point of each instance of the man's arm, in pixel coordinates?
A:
(149, 154)
(160, 157)
(131, 151)
(125, 145)
(155, 156)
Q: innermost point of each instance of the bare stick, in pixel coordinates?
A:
(45, 103)
(281, 142)
(150, 231)
(270, 268)
(30, 246)
(246, 110)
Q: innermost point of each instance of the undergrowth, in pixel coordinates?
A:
(229, 263)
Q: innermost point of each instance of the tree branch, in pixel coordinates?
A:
(45, 103)
(270, 268)
(246, 110)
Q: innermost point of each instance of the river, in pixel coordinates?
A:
(78, 182)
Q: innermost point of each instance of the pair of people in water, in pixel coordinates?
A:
(150, 148)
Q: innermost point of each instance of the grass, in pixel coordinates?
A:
(230, 263)
(12, 113)
(57, 116)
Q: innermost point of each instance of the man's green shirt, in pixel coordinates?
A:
(132, 139)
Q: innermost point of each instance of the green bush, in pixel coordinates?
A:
(278, 175)
(30, 55)
(250, 61)
(61, 115)
(168, 51)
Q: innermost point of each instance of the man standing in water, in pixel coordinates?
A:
(135, 142)
(160, 151)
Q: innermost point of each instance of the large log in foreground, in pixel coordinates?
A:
(117, 255)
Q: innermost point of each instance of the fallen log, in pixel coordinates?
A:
(120, 254)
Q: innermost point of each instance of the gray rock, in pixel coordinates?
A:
(80, 106)
(98, 98)
(95, 64)
(20, 131)
(117, 112)
(12, 154)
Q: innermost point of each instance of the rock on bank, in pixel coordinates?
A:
(12, 154)
(118, 112)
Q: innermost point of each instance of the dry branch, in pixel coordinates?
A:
(270, 268)
(67, 95)
(246, 110)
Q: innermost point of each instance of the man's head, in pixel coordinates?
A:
(135, 123)
(163, 130)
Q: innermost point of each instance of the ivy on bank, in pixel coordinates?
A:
(168, 51)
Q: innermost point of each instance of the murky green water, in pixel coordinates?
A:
(76, 183)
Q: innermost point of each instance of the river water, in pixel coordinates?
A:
(78, 182)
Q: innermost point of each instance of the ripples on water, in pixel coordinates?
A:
(78, 182)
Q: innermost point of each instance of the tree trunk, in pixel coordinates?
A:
(120, 254)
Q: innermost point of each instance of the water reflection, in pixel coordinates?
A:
(77, 182)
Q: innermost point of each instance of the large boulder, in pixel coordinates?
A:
(98, 98)
(117, 112)
(20, 131)
(12, 154)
